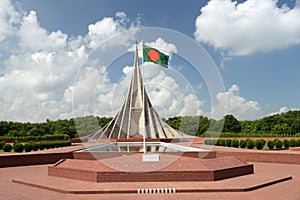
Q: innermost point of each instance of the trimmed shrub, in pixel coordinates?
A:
(293, 143)
(243, 144)
(286, 143)
(259, 144)
(298, 143)
(278, 143)
(28, 146)
(35, 146)
(52, 145)
(49, 145)
(1, 145)
(207, 142)
(235, 143)
(69, 143)
(18, 147)
(42, 145)
(7, 148)
(250, 144)
(222, 142)
(270, 144)
(228, 142)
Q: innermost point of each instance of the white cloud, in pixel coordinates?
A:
(236, 105)
(248, 27)
(281, 110)
(121, 15)
(8, 17)
(36, 38)
(37, 79)
(39, 67)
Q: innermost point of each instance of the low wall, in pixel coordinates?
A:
(32, 159)
(268, 157)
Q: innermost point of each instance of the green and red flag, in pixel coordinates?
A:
(153, 55)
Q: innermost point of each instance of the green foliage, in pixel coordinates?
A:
(231, 124)
(191, 125)
(259, 144)
(1, 145)
(228, 143)
(286, 143)
(279, 125)
(235, 143)
(278, 143)
(35, 146)
(270, 144)
(250, 144)
(243, 144)
(18, 147)
(42, 145)
(7, 148)
(28, 146)
(210, 142)
(222, 142)
(293, 143)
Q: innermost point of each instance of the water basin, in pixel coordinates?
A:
(139, 147)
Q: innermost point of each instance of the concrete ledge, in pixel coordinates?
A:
(32, 159)
(67, 186)
(132, 169)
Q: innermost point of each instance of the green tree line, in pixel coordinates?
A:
(72, 127)
(285, 124)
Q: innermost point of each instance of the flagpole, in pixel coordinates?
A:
(143, 90)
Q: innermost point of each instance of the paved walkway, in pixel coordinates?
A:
(288, 190)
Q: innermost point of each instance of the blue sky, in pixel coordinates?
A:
(254, 44)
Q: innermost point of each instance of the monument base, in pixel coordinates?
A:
(183, 168)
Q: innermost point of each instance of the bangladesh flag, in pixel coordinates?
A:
(153, 55)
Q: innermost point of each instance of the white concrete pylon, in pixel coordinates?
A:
(132, 120)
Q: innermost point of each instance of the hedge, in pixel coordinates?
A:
(293, 143)
(1, 145)
(278, 143)
(243, 144)
(212, 134)
(7, 148)
(28, 146)
(18, 147)
(41, 137)
(228, 143)
(250, 144)
(270, 144)
(286, 143)
(259, 144)
(235, 143)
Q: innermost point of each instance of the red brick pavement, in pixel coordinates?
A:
(288, 190)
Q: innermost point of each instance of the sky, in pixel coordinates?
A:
(62, 58)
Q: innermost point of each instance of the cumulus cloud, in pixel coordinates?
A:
(8, 17)
(36, 38)
(248, 27)
(38, 73)
(38, 68)
(236, 105)
(281, 110)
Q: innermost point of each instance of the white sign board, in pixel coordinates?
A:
(150, 158)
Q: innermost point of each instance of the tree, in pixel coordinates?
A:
(231, 124)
